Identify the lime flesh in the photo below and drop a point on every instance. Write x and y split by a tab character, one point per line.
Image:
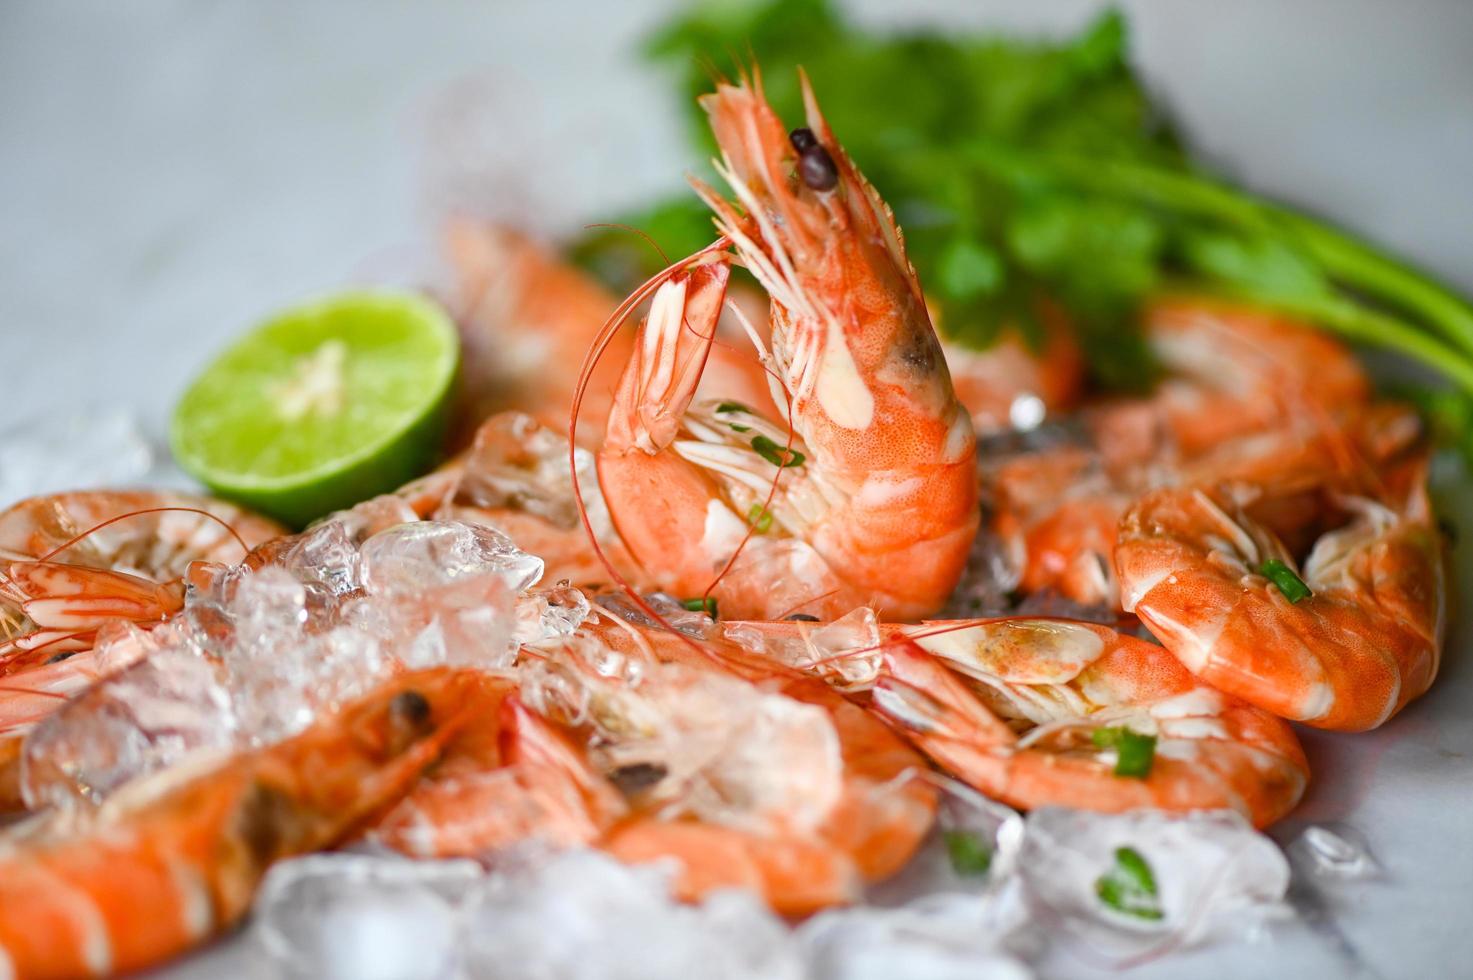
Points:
322	406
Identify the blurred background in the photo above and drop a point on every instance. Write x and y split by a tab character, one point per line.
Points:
172	171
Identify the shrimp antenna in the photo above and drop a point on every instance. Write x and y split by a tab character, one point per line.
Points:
245	549
649	239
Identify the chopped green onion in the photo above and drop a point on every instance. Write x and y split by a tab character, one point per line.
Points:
1283	576
776	455
970	854
1134	753
739	428
1130	886
733	407
706	605
760	518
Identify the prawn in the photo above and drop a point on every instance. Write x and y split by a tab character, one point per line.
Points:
1012	385
527	317
70	562
1343	643
509	776
1036	713
152	874
869	494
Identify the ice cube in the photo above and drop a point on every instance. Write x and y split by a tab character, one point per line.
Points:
973	847
365	519
268	609
584	916
549	613
365	918
72	451
946	939
519	464
1146	880
466	624
1339	853
277	691
145	718
325	558
415	558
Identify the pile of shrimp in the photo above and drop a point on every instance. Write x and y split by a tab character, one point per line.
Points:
813	552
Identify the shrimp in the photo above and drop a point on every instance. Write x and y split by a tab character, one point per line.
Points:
1030	712
70	562
1234	369
1343	644
749	775
527	318
510	776
1011	385
871	496
151	875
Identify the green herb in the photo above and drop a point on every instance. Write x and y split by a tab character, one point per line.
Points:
760	518
970	854
1023	169
733	407
1130	886
778	456
739	428
1283	576
1134	753
706	605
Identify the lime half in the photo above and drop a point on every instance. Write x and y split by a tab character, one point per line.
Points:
322	406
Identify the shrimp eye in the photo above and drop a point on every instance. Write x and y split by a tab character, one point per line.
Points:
637	776
815	165
412	707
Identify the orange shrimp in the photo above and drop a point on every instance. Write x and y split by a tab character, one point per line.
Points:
965	691
805	831
871	497
70	562
1010	385
143	880
509	777
526	319
1366	640
1234	369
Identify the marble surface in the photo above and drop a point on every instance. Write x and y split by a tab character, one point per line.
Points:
174	170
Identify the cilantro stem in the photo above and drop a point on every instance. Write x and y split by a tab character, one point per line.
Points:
1344	259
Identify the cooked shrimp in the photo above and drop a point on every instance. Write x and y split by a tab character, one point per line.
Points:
1234	369
70	562
1012	385
526	319
1027	711
1344	644
805	826
509	777
146	879
875	497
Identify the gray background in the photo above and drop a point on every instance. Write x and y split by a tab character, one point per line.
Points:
172	171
